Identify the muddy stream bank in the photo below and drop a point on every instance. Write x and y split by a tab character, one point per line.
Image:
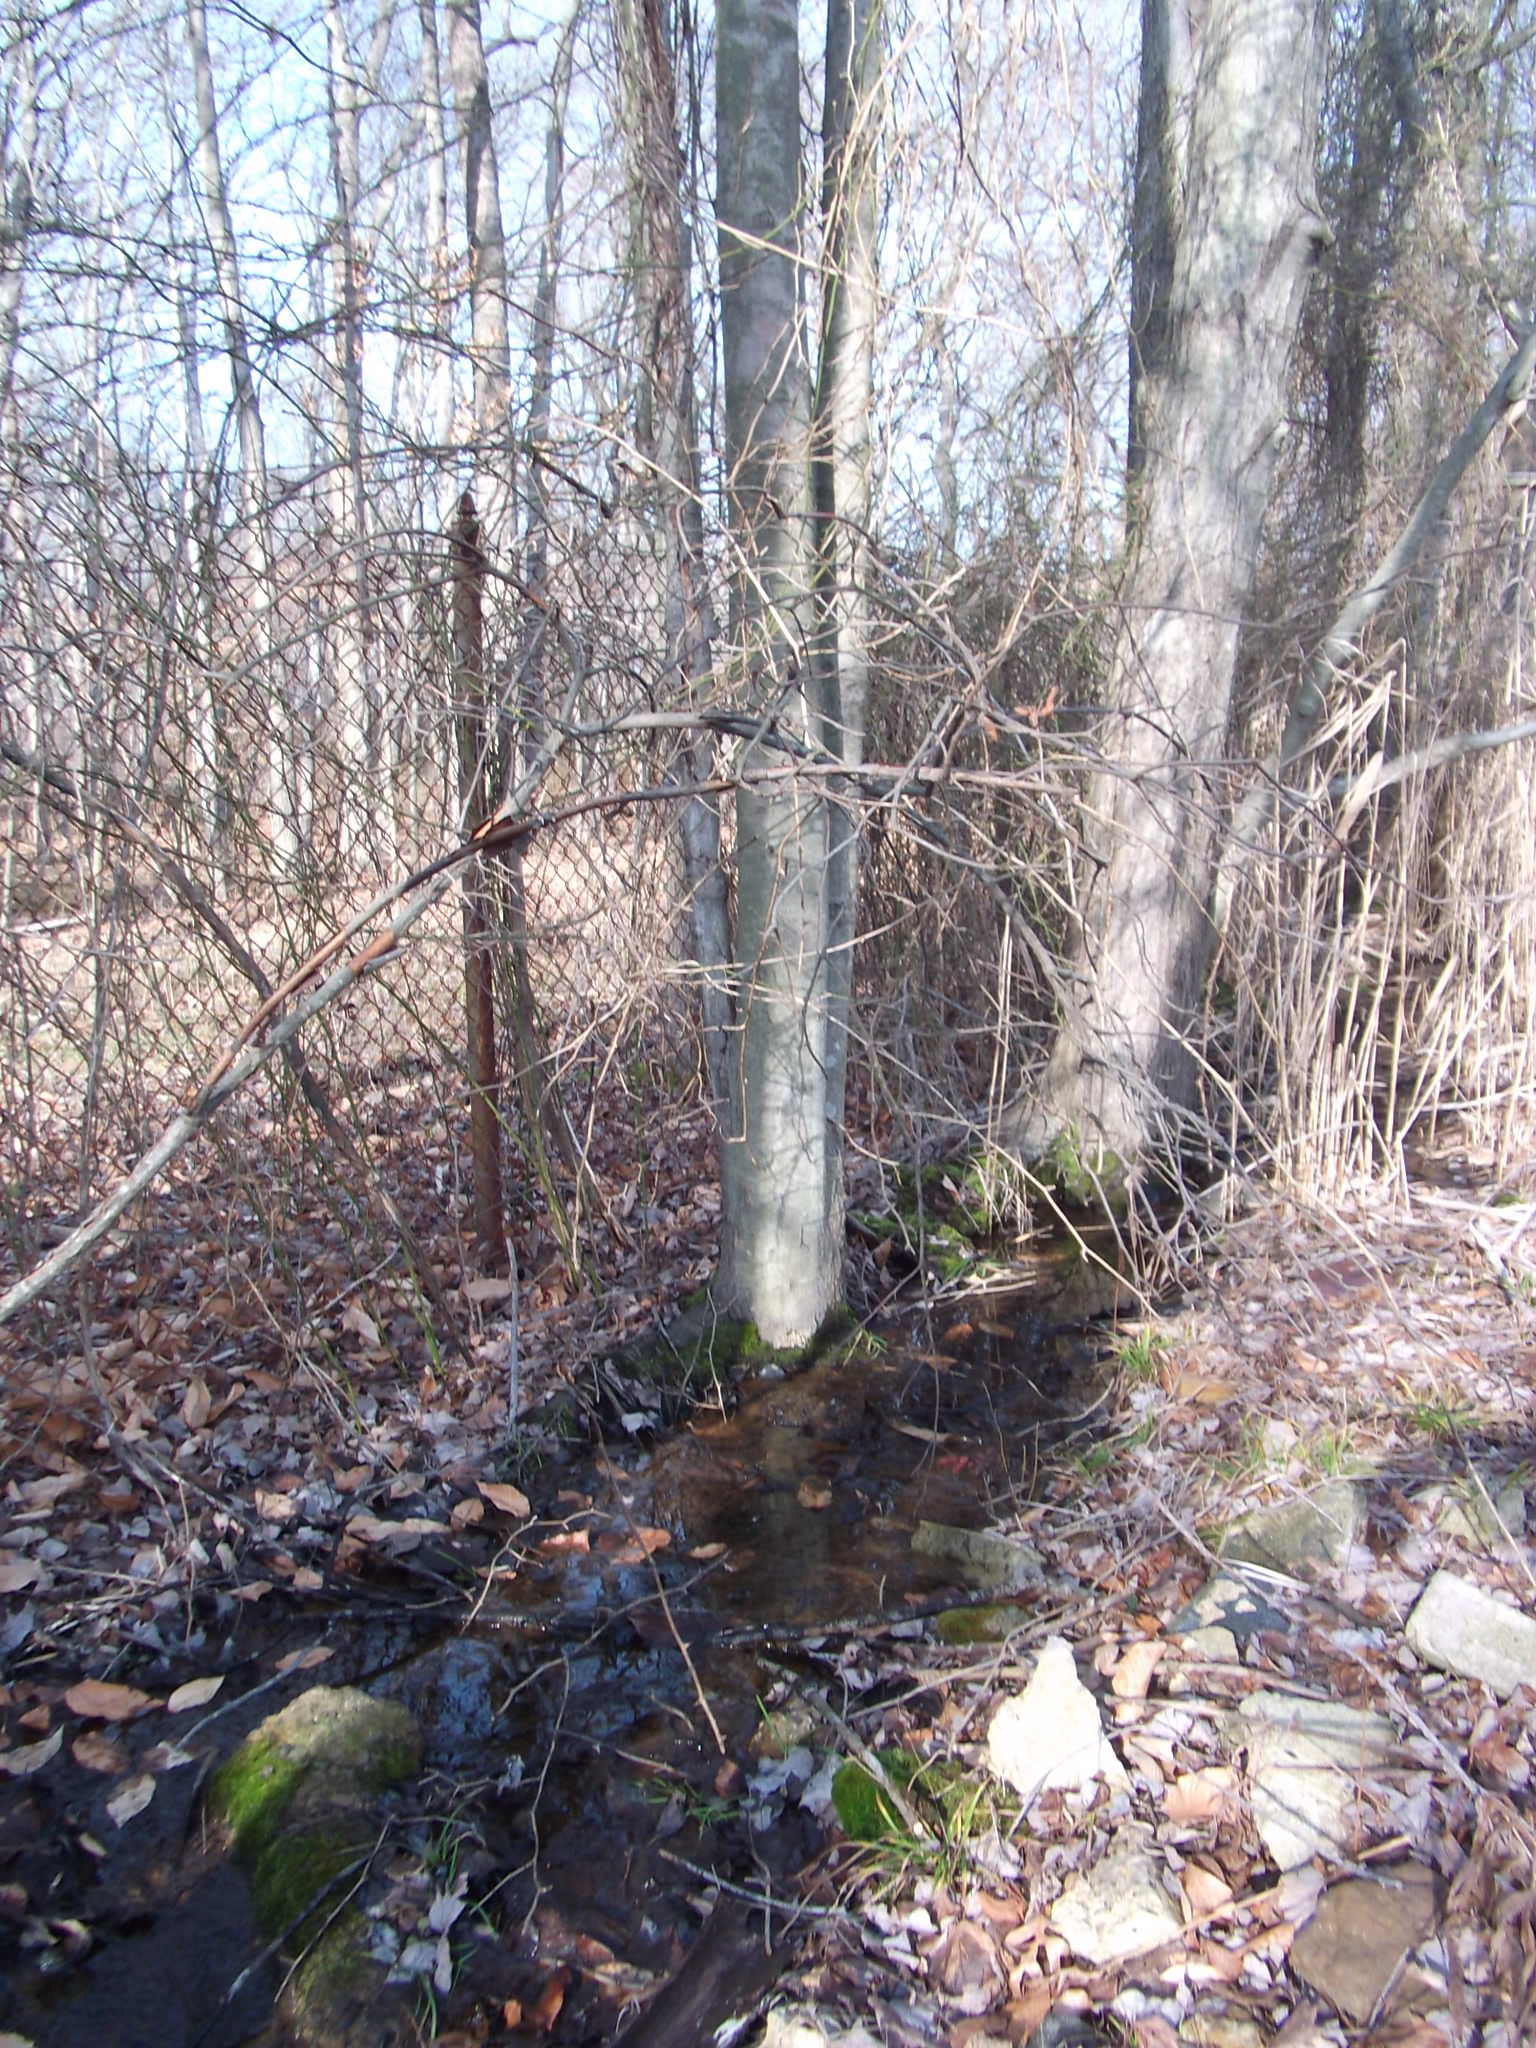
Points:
605	1692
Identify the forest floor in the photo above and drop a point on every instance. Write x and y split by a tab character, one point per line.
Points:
1287	1807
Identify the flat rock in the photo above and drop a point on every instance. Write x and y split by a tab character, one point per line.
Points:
985	1556
1460	1628
1463	1515
1354	1945
1224	1614
1306	1759
1297	1536
1119	1906
1050	1736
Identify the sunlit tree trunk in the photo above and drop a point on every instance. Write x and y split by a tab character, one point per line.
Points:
781	1249
1226	234
842	479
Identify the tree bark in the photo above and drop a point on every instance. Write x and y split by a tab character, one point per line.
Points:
842	485
781	1236
1227	234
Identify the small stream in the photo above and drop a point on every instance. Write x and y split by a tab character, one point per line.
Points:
573	1774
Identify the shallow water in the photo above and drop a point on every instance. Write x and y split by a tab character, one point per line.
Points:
569	1739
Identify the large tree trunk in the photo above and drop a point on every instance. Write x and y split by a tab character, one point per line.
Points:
842	484
1226	235
781	1239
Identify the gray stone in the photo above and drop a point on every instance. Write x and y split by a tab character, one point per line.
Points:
1305	1764
1465	1516
1049	1737
1224	1613
985	1556
1297	1536
1460	1628
1120	1906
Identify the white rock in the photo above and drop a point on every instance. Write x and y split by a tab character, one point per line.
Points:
1459	1627
1120	1905
1049	1737
1305	1764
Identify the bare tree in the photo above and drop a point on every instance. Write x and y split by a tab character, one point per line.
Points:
1227	233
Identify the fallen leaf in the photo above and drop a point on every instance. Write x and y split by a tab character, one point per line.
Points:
360	1324
1133	1673
46	1493
118	1500
1203	1890
94	1751
566	1541
464	1514
196	1403
197	1692
1200	1796
16	1575
132	1799
705	1553
352	1478
306	1660
275	1507
814	1494
21	1763
545	2009
374	1529
307	1580
254	1589
511	2013
490	1288
510	1500
96	1699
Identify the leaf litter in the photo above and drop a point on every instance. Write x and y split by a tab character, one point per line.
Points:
211	1461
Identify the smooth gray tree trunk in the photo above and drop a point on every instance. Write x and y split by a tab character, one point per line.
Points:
1226	234
781	1248
842	484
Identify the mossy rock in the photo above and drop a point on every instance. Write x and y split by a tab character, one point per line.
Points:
298	1797
958	1627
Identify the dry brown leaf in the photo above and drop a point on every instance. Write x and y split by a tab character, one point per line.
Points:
131	1799
491	1287
306	1660
464	1514
815	1494
94	1751
307	1580
197	1692
21	1763
1203	1890
358	1321
508	1500
46	1493
1133	1673
97	1699
705	1553
273	1506
1201	1796
196	1403
565	1541
19	1573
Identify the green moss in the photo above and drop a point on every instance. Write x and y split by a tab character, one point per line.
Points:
946	1799
864	1809
291	1872
1083	1179
251	1791
993	1623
